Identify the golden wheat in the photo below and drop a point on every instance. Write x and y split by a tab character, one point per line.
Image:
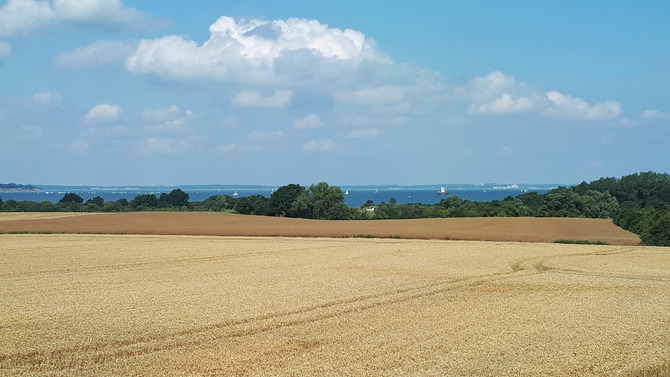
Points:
98	305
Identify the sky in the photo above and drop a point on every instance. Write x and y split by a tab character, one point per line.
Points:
111	92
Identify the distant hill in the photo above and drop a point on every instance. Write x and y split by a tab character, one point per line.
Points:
13	187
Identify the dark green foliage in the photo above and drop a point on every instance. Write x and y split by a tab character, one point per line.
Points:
581	242
658	233
216	203
253	205
144	202
97	201
71	198
282	200
321	201
175	199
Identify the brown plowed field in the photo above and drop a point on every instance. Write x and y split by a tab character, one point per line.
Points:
221	224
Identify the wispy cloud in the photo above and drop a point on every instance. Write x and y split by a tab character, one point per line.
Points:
310	121
103	113
97	54
322	145
655	115
25	16
252	98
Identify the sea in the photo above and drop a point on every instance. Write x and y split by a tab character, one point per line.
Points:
354	196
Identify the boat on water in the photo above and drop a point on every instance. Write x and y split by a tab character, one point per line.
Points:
443	191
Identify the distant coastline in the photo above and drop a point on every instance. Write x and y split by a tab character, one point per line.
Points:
13	187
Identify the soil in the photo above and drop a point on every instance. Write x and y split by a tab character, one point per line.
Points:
508	229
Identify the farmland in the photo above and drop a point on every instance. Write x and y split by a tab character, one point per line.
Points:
181	305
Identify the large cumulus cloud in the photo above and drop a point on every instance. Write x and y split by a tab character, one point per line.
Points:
255	51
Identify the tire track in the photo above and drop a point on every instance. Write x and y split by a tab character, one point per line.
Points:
126	266
68	358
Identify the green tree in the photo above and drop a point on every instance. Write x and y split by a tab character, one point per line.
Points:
176	198
97	202
283	198
658	233
217	203
453	201
253	205
320	201
71	198
145	201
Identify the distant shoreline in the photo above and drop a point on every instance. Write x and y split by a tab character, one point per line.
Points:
13	187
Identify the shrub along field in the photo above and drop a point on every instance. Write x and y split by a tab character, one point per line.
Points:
128	305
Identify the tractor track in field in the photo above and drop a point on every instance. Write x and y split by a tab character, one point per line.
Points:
69	357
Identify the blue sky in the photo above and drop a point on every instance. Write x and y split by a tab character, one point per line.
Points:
106	92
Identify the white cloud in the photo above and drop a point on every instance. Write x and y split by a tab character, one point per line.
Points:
265	136
497	94
491	86
5	50
567	107
24	16
365	133
79	147
32	131
253	51
308	122
252	98
48	98
103	113
98	11
170	119
322	145
377	96
96	54
159	145
655	115
233	148
161	115
505	104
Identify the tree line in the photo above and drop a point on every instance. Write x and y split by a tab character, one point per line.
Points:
638	202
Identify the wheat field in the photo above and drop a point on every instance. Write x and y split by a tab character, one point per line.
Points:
131	305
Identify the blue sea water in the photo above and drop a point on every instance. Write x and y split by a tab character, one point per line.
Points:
354	197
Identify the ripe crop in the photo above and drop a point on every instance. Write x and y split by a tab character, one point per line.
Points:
127	305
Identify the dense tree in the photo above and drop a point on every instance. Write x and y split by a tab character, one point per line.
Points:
145	201
216	203
253	205
97	202
658	232
320	201
176	198
71	198
283	198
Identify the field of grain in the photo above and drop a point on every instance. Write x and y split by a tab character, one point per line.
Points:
525	229
157	305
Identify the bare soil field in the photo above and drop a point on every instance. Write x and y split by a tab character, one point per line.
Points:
222	224
159	305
